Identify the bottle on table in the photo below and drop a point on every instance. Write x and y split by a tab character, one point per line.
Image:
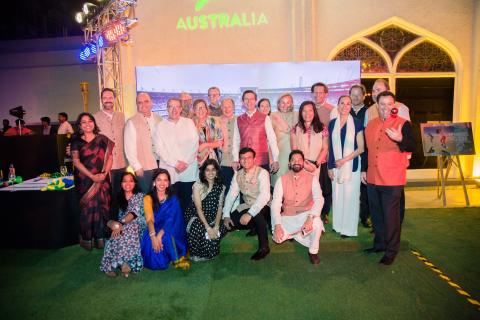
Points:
11	173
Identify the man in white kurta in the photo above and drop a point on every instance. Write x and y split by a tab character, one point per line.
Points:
296	207
138	141
176	144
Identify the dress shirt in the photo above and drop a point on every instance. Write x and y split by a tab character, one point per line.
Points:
65	128
177	141
262	199
271	138
130	142
357	110
46	131
276	206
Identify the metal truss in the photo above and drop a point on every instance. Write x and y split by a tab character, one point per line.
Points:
109	66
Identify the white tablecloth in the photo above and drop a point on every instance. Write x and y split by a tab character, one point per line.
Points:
30	185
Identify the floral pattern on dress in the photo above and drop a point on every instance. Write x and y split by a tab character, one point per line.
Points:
126	247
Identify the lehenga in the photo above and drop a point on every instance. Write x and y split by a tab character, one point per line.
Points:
126	247
169	217
200	247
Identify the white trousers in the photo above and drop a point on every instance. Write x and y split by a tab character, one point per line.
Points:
346	205
292	226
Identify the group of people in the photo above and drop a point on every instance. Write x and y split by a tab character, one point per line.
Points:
20	129
203	171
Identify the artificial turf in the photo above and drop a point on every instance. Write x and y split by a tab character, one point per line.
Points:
348	284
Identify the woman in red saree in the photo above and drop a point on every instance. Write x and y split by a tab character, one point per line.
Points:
92	158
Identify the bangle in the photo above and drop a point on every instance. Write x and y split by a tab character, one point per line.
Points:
151	234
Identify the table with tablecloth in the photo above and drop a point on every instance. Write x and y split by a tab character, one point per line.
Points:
35	219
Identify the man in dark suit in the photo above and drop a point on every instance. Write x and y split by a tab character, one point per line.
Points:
357	94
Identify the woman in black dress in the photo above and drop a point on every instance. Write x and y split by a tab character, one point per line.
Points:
203	216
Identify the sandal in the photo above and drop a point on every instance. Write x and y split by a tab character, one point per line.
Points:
126	269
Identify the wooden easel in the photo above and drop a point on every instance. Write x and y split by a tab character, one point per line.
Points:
447	162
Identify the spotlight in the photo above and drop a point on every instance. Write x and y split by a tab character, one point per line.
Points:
88	8
88	52
79	17
100	42
131	22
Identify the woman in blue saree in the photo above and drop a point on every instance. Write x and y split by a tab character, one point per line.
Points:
165	240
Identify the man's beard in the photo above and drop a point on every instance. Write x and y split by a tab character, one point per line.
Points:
296	168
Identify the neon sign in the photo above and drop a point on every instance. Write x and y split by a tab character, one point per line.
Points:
223	20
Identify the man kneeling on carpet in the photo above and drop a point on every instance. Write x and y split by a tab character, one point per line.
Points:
253	183
296	207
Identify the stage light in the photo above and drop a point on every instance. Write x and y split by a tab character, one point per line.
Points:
131	22
115	31
100	42
88	8
88	52
79	17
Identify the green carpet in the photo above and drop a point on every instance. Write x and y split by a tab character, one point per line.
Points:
67	284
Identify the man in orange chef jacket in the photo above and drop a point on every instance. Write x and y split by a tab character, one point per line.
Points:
384	169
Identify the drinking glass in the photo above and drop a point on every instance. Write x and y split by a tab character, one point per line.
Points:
63	170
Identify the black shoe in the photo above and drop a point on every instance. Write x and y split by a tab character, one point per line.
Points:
251	233
373	250
344	236
386	261
367	223
261	253
314	259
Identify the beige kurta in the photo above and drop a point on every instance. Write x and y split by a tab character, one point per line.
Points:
283	123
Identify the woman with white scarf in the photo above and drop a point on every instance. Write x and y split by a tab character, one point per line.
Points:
346	144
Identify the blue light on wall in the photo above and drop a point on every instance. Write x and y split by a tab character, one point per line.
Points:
88	52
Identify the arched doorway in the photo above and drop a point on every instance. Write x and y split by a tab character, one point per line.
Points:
419	69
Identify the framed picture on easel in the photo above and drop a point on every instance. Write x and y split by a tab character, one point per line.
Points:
447	141
441	139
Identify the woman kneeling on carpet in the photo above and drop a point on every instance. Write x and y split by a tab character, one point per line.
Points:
123	249
204	214
165	240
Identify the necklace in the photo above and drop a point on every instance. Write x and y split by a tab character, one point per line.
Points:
162	199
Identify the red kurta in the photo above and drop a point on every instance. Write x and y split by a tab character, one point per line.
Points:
386	163
253	135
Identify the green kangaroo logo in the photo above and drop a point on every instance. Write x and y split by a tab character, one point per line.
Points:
200	4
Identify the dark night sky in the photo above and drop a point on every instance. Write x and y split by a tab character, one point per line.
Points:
28	19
